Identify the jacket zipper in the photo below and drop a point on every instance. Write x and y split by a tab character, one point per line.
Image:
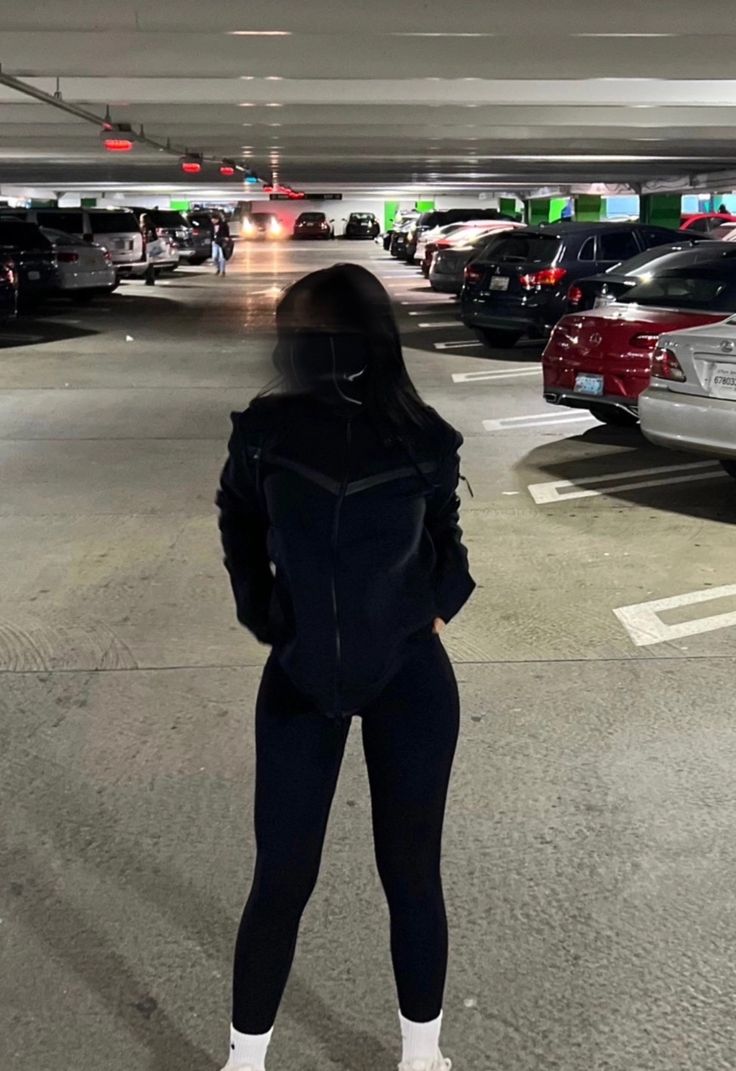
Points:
335	532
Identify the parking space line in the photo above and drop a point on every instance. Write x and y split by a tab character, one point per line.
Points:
536	420
645	627
455	345
513	373
448	323
545	494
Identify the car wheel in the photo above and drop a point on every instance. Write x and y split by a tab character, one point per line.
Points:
620	418
497	339
729	467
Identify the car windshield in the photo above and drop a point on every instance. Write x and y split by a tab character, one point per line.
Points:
113	222
22	235
706	289
528	248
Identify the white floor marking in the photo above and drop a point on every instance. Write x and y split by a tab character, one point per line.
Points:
512	373
448	323
454	345
555	491
425	311
645	627
537	420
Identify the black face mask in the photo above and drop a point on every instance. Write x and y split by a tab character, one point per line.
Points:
330	364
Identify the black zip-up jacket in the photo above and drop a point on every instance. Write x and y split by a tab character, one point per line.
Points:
363	538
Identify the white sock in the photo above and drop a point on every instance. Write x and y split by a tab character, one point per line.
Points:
248	1050
420	1041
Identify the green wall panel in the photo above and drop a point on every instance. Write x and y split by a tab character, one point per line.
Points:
588	207
390	208
424	206
663	209
538	210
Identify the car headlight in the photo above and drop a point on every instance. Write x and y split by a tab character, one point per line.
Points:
248	227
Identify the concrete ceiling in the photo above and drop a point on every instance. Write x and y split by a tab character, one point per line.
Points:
379	95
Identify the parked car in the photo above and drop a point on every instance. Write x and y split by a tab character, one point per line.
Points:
116	229
83	269
439	237
399	239
362	225
725	232
263	225
451	256
602	289
601	360
174	227
203	230
438	218
8	289
705	221
33	256
690	403
313	225
518	285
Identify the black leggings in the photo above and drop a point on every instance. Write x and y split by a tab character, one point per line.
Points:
409	737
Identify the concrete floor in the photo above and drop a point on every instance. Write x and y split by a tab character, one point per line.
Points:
589	860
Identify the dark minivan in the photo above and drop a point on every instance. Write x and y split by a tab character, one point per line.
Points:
32	256
517	285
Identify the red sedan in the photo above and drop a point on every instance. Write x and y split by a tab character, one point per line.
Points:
601	360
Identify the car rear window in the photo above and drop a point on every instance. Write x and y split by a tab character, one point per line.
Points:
686	290
113	222
311	217
22	235
529	248
362	216
70	222
160	218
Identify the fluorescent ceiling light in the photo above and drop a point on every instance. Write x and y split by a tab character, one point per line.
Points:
274	78
273	105
247	77
419	33
626	35
248	105
258	33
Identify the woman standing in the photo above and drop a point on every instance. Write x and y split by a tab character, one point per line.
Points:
346	482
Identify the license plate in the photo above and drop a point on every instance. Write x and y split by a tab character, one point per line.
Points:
34	274
585	384
500	282
723	381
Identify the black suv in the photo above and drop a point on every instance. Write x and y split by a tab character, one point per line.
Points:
33	257
362	225
517	284
439	218
174	226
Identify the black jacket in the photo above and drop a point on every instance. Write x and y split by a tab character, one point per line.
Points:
363	537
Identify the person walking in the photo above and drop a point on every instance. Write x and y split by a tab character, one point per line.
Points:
338	513
149	238
220	239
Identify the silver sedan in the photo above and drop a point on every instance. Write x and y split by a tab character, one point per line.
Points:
691	403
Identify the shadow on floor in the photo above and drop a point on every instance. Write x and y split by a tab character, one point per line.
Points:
704	491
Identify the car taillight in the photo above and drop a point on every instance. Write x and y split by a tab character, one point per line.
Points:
7	274
473	273
666	366
67	257
644	340
574	296
545	277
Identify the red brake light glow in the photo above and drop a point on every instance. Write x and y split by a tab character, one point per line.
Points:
65	256
225	169
666	366
574	295
191	167
545	277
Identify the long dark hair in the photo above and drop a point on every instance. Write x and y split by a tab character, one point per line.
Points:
354	300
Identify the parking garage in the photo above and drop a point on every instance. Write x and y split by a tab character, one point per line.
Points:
586	857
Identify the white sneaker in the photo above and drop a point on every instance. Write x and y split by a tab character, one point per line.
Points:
440	1063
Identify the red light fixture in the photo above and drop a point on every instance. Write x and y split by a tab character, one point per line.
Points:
226	170
191	165
118	144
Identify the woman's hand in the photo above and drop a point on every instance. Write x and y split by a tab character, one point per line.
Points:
438	625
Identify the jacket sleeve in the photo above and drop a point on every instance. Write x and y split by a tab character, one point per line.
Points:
243	527
453	582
